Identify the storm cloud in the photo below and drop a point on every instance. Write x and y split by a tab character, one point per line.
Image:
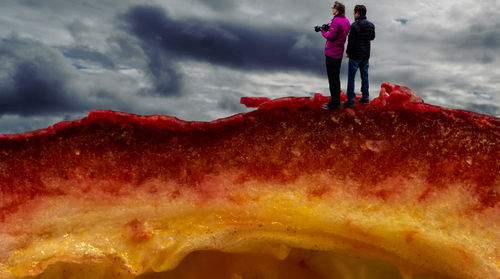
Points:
34	79
85	53
167	41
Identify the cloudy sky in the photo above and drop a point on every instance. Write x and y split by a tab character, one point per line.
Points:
194	59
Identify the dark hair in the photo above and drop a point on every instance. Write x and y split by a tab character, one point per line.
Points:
340	7
360	9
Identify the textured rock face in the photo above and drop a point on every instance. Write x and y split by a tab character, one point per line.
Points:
411	183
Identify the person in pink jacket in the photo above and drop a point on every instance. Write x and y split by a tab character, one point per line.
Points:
335	37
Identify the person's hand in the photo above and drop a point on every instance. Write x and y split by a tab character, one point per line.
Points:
347	55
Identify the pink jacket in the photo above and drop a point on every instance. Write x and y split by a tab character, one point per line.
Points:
336	36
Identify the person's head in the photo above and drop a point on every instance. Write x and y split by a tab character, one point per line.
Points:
359	10
338	8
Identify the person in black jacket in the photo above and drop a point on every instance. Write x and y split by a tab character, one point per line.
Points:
361	33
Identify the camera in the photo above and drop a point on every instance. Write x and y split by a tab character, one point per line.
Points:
325	27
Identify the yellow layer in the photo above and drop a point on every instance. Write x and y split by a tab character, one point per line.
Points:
150	232
300	264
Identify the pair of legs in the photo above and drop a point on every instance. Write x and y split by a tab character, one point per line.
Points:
333	72
363	69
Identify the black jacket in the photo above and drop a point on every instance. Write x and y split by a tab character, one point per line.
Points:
361	33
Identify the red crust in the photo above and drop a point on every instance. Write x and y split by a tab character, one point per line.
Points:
396	135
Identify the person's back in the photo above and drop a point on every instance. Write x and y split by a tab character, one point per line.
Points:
363	33
358	50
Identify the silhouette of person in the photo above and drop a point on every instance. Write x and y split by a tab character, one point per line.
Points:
334	50
358	51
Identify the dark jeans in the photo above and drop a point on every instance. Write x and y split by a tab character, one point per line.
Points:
363	69
333	71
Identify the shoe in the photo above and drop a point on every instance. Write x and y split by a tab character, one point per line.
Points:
330	106
349	104
364	101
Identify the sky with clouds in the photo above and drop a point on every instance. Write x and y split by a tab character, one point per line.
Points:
194	59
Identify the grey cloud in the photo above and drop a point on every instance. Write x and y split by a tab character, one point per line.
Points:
31	3
10	123
490	109
35	79
443	58
478	43
492	39
485	58
403	21
77	6
219	5
230	103
159	67
166	78
486	35
462	96
127	49
414	76
236	46
77	29
38	80
90	55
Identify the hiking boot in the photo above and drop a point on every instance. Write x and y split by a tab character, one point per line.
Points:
330	106
364	101
349	104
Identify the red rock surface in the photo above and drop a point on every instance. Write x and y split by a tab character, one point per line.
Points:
397	135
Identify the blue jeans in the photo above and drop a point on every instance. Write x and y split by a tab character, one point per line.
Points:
353	68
